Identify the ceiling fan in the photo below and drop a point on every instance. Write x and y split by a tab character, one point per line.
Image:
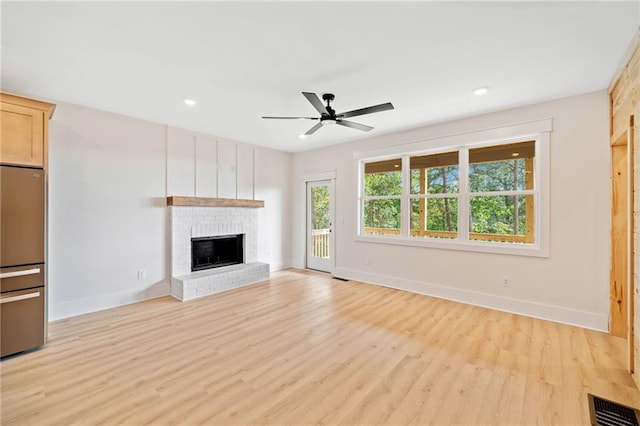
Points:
328	115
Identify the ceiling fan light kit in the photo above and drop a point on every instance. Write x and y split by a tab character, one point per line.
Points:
328	115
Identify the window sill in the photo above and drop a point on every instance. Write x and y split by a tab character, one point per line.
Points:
515	249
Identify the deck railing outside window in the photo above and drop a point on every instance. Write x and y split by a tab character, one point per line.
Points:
450	234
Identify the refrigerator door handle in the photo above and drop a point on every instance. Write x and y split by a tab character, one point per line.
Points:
20	297
20	273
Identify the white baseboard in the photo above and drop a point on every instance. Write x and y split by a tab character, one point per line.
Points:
113	300
278	266
553	313
106	301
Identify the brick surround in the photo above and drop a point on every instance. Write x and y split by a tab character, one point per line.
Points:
193	222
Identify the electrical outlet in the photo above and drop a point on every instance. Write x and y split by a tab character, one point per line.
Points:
368	261
506	281
142	273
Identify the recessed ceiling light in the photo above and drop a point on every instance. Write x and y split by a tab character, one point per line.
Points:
302	136
190	102
479	91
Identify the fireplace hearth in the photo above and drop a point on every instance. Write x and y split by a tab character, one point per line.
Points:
216	251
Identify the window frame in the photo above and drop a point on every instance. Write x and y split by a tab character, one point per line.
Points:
537	131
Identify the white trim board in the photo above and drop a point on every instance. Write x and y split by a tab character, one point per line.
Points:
106	301
278	265
475	138
553	313
325	175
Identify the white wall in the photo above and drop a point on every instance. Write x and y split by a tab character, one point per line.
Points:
108	179
570	286
109	175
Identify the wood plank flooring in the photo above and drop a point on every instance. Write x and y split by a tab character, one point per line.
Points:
302	348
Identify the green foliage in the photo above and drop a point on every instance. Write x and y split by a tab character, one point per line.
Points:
442	214
389	183
382	213
495	215
505	175
320	207
440	180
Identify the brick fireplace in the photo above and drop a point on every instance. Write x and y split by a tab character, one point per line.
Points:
212	220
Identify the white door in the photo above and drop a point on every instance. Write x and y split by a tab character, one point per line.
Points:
319	225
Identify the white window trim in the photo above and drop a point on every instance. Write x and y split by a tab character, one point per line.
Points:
535	130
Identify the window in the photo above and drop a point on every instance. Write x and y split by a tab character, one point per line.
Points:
501	193
434	195
382	194
488	196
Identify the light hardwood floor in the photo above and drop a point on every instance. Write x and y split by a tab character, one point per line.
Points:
302	348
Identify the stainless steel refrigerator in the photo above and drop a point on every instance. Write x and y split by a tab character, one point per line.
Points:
22	259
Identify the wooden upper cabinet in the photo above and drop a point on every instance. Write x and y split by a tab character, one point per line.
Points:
24	127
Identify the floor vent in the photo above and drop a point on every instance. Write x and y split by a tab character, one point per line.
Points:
341	279
607	413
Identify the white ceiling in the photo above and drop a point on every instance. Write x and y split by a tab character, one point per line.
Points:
243	60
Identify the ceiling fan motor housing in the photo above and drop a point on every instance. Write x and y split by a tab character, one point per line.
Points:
328	97
327	119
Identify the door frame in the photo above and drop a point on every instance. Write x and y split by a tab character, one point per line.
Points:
621	291
329	176
618	280
631	243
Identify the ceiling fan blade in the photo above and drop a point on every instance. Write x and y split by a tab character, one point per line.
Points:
367	110
316	102
293	118
313	129
347	123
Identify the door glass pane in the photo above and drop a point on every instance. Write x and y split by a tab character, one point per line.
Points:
320	225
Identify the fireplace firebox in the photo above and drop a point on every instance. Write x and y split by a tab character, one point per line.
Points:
215	252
